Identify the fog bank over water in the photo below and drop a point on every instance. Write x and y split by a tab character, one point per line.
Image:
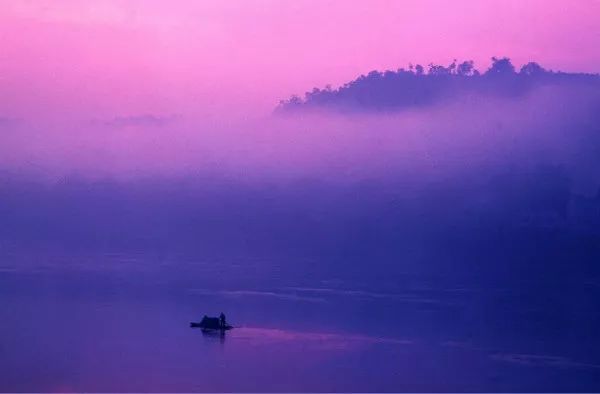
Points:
434	188
470	134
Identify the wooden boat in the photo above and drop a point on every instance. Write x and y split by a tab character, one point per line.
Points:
200	325
211	323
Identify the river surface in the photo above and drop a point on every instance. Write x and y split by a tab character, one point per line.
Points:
120	322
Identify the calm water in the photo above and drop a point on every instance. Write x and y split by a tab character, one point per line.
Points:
81	322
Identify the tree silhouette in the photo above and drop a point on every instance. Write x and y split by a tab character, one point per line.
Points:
501	66
532	68
413	87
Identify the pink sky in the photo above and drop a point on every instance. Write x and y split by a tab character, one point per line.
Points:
100	59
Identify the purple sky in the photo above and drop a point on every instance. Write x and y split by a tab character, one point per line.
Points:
143	87
101	59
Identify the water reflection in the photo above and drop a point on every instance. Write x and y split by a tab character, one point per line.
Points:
214	335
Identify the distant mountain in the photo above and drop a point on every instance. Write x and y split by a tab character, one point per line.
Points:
417	87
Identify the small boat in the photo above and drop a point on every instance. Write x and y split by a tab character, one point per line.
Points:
211	323
202	326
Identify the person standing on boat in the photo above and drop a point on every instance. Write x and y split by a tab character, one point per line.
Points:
222	321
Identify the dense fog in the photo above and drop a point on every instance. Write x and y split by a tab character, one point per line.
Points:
473	182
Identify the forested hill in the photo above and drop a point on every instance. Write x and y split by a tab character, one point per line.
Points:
420	87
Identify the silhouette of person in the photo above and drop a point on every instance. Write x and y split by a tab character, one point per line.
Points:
222	320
